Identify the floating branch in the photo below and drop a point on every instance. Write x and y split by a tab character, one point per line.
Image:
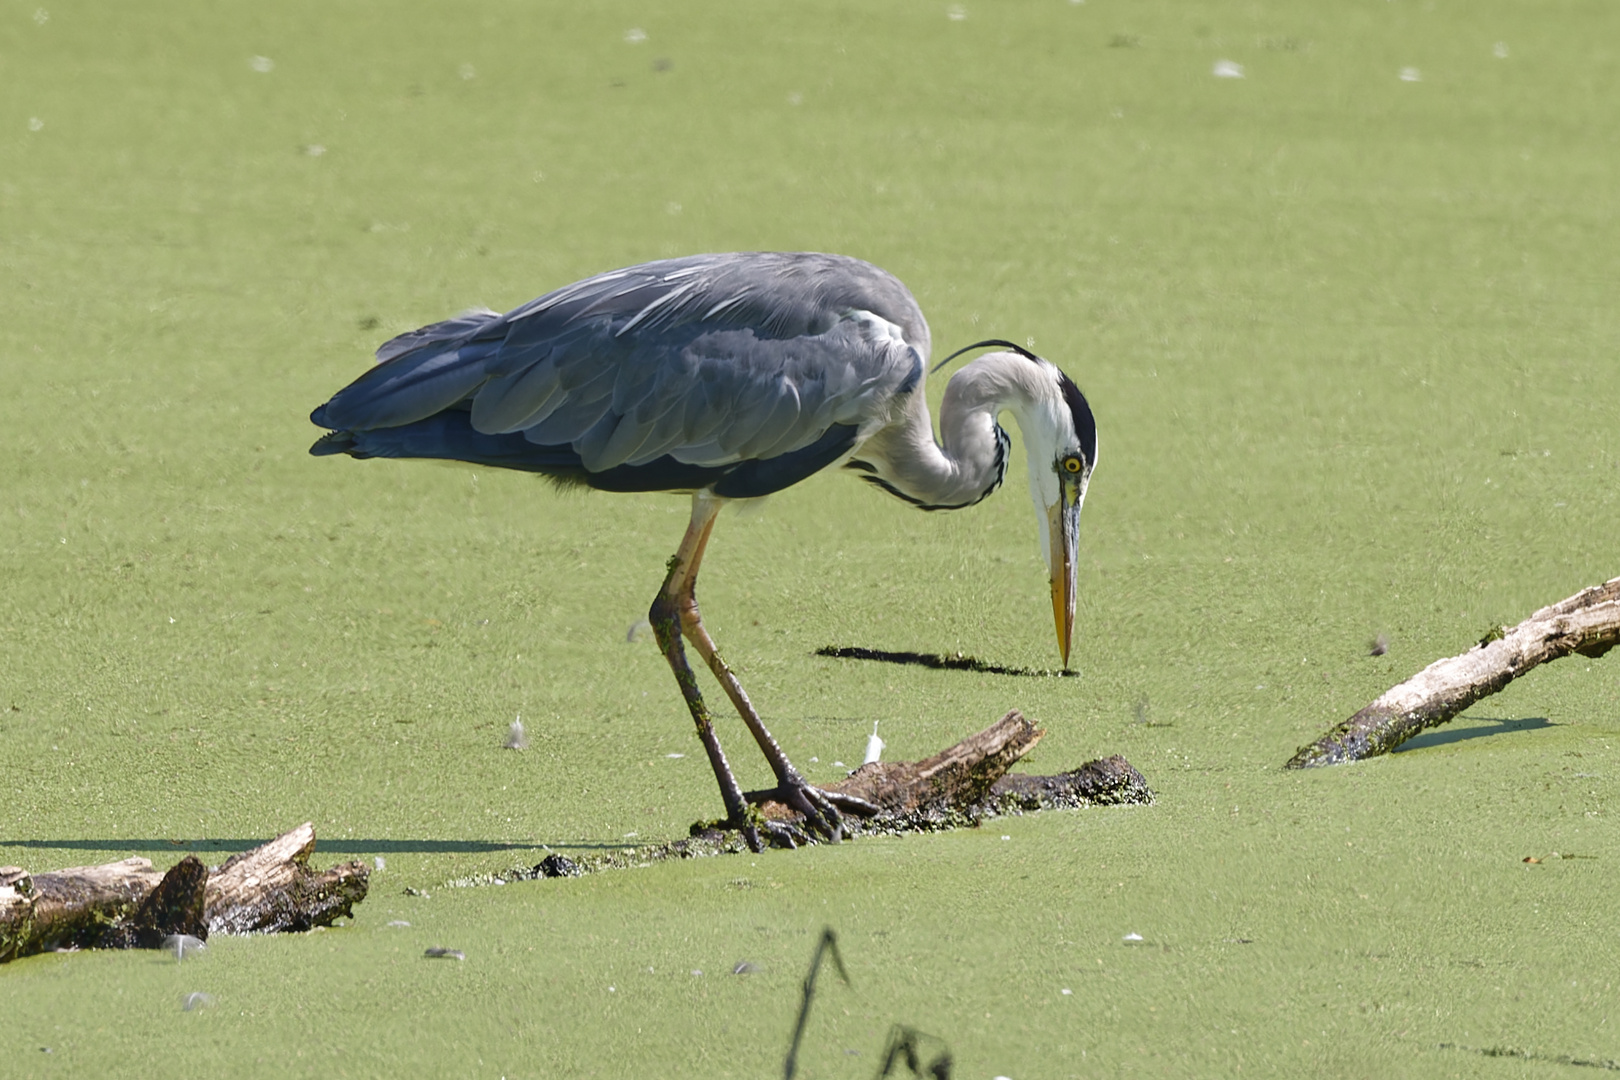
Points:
128	904
1587	623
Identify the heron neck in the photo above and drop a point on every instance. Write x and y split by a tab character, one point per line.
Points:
969	460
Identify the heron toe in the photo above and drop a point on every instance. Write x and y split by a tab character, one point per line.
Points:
817	810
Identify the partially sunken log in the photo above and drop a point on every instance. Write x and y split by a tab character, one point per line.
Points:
968	781
128	904
956	788
1587	623
1112	781
174	907
70	907
272	890
953	779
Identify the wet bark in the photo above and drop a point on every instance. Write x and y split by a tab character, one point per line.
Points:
955	778
1110	781
271	889
1587	623
970	780
128	904
175	906
957	788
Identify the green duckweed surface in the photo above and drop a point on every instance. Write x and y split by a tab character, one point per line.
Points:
1348	323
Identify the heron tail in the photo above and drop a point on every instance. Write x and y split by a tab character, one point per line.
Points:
450	436
456	329
333	442
417	374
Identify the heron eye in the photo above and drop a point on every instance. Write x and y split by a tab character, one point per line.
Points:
1071	464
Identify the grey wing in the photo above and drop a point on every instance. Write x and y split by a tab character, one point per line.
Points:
709	359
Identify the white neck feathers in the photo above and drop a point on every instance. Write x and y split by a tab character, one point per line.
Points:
970	458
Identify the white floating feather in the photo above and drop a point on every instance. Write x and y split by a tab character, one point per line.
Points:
874	746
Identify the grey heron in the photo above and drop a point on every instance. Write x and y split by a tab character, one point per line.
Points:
728	377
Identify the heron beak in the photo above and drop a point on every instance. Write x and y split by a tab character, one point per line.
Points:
1063	519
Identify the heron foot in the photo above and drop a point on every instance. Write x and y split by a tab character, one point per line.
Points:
750	824
818	810
852	804
786	834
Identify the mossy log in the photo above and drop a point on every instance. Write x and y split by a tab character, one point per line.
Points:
128	904
1109	781
1587	623
970	780
957	777
957	788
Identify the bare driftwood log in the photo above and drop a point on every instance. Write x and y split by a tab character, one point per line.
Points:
1587	623
128	904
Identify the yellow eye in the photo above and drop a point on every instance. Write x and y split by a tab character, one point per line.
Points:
1071	464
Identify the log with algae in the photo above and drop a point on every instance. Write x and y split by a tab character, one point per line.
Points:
128	904
958	787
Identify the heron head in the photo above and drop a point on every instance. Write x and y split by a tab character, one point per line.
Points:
1062	453
1060	435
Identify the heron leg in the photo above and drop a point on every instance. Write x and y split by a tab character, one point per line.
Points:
666	620
820	808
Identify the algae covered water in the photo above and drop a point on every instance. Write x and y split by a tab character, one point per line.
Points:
1338	282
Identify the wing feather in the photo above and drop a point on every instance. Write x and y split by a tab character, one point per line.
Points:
513	402
708	361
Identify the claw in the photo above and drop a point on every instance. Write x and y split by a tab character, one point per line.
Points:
819	815
853	804
785	835
826	817
781	834
817	808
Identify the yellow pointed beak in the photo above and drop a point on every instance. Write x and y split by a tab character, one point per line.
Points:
1063	519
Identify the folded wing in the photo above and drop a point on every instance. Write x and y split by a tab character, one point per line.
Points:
704	362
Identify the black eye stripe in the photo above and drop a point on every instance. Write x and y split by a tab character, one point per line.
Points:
1085	426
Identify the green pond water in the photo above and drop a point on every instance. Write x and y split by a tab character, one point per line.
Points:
1349	327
